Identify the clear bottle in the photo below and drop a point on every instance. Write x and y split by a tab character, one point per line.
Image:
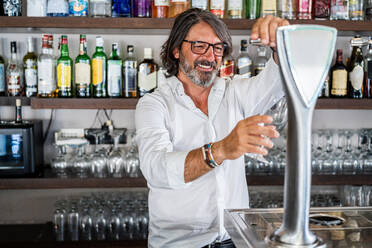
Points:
83	70
268	7
200	4
46	64
121	8
147	73
243	61
177	7
12	7
356	73
260	60
338	78
14	73
339	10
368	70
78	7
99	65
142	8
2	76
321	9
227	67
253	9
130	74
217	7
287	9
30	69
235	9
64	70
160	8
368	16
36	7
356	10
304	9
57	8
114	73
100	8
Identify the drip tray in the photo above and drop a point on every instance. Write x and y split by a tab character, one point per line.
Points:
337	227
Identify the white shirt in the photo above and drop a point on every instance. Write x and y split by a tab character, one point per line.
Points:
168	127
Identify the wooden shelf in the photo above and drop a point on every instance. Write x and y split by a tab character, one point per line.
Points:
336	103
152	23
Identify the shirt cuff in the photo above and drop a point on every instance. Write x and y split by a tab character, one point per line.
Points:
176	168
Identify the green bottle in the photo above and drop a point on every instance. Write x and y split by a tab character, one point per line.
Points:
114	73
83	70
64	71
99	64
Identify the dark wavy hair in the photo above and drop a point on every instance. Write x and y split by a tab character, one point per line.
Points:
181	27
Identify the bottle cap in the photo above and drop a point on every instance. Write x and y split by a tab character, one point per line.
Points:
99	41
64	39
18	102
130	48
147	53
115	46
13	47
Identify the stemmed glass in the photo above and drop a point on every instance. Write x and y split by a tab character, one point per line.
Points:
59	163
116	162
82	163
99	158
132	159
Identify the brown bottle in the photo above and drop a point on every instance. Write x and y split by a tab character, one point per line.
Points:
338	78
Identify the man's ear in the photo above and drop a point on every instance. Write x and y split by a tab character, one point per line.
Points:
176	53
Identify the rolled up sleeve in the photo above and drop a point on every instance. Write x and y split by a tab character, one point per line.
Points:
160	164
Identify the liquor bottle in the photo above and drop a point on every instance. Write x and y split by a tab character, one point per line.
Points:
200	4
78	7
130	74
260	60
227	67
46	64
287	9
321	9
268	7
82	70
217	7
324	93
100	8
356	73
18	111
114	74
2	76
177	7
64	70
1	10
142	8
368	92
36	8
99	64
57	8
30	69
121	8
356	10
339	10
338	77
304	9
369	10
147	73
12	7
235	9
253	9
243	61
14	73
160	9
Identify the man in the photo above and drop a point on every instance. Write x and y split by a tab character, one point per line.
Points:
193	131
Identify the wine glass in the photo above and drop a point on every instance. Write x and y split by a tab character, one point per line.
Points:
99	168
81	163
116	162
132	159
59	163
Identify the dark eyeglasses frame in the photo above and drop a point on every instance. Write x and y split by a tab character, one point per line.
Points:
209	45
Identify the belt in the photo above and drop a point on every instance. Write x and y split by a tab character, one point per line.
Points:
224	244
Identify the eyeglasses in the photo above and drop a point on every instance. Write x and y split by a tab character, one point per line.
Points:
201	47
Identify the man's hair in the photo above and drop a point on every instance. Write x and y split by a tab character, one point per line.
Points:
181	28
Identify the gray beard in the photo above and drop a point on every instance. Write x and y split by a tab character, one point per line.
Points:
203	79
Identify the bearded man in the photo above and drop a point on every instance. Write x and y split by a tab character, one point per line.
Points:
193	131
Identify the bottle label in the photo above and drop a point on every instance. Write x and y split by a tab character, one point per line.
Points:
31	77
369	70
217	6
130	79
161	3
235	5
201	4
2	78
339	83
178	1
78	7
82	74
46	79
304	6
339	9
147	82
268	7
258	69
114	77
63	76
98	68
227	71
356	77
14	82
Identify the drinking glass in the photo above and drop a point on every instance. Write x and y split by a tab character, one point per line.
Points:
73	224
116	162
86	224
59	163
100	224
82	163
59	219
132	160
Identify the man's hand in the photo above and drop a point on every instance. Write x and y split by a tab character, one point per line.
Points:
247	137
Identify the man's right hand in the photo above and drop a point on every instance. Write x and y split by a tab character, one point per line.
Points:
248	136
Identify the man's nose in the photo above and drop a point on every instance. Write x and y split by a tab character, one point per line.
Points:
210	54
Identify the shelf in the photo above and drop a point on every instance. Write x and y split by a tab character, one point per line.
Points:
10	101
316	180
152	23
